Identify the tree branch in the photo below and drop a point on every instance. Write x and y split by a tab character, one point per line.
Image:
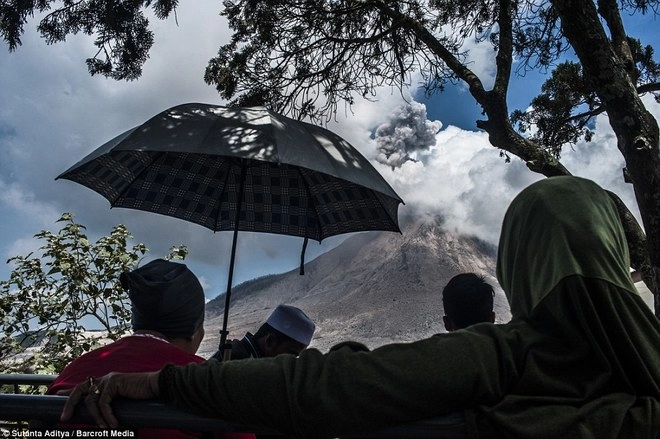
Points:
504	56
609	10
453	63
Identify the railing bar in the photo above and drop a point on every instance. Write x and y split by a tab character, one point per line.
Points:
140	414
26	378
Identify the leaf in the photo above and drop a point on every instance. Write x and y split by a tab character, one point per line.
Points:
54	270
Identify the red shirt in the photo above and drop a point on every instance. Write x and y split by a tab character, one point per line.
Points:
135	353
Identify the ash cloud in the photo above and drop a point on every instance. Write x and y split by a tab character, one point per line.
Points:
406	133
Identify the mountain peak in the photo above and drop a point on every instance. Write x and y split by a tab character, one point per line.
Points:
375	287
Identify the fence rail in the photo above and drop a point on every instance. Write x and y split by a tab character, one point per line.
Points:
44	411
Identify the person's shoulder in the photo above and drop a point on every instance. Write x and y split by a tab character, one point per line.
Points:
84	365
93	355
161	350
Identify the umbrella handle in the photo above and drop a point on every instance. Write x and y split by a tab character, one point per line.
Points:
224	348
226	352
302	256
223	340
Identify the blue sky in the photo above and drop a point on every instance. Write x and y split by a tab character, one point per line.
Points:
54	113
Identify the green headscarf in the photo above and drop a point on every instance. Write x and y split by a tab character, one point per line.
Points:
585	238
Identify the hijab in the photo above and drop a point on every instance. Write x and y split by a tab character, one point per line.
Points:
555	228
589	361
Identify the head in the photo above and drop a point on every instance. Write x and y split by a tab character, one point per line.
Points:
556	228
287	330
467	299
167	299
353	346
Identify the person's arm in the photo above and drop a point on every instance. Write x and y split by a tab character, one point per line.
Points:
318	395
99	395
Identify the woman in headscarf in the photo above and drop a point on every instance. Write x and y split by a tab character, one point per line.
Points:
578	359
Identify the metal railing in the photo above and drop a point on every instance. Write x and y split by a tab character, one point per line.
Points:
21	411
15	381
25	379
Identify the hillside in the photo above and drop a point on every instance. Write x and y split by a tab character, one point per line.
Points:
375	287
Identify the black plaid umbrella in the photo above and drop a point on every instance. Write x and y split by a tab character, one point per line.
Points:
241	169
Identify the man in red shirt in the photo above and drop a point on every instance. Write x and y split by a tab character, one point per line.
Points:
167	305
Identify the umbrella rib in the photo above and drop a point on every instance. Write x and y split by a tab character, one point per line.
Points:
314	205
216	226
395	221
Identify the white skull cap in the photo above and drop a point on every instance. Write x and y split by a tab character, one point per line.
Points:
293	323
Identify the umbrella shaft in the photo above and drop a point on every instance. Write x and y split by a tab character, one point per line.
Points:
230	276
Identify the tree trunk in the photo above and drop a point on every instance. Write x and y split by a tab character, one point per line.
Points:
636	129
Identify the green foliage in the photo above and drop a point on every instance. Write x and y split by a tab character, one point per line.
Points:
122	31
306	57
555	118
648	71
565	109
52	298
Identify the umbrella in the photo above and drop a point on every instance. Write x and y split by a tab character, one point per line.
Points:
241	168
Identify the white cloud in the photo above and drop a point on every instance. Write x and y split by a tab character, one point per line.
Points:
13	196
204	282
481	60
463	180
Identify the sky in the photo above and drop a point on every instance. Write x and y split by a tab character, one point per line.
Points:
428	149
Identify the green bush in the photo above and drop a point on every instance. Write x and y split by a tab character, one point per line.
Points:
51	299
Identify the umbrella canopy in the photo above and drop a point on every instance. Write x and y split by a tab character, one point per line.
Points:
250	169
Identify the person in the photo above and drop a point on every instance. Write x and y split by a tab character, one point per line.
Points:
578	359
167	318
467	299
287	330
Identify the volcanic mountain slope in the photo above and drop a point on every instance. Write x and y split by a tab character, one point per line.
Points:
375	287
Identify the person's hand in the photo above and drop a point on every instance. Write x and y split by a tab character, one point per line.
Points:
98	393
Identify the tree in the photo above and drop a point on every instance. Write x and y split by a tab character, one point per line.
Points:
51	299
306	57
123	38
